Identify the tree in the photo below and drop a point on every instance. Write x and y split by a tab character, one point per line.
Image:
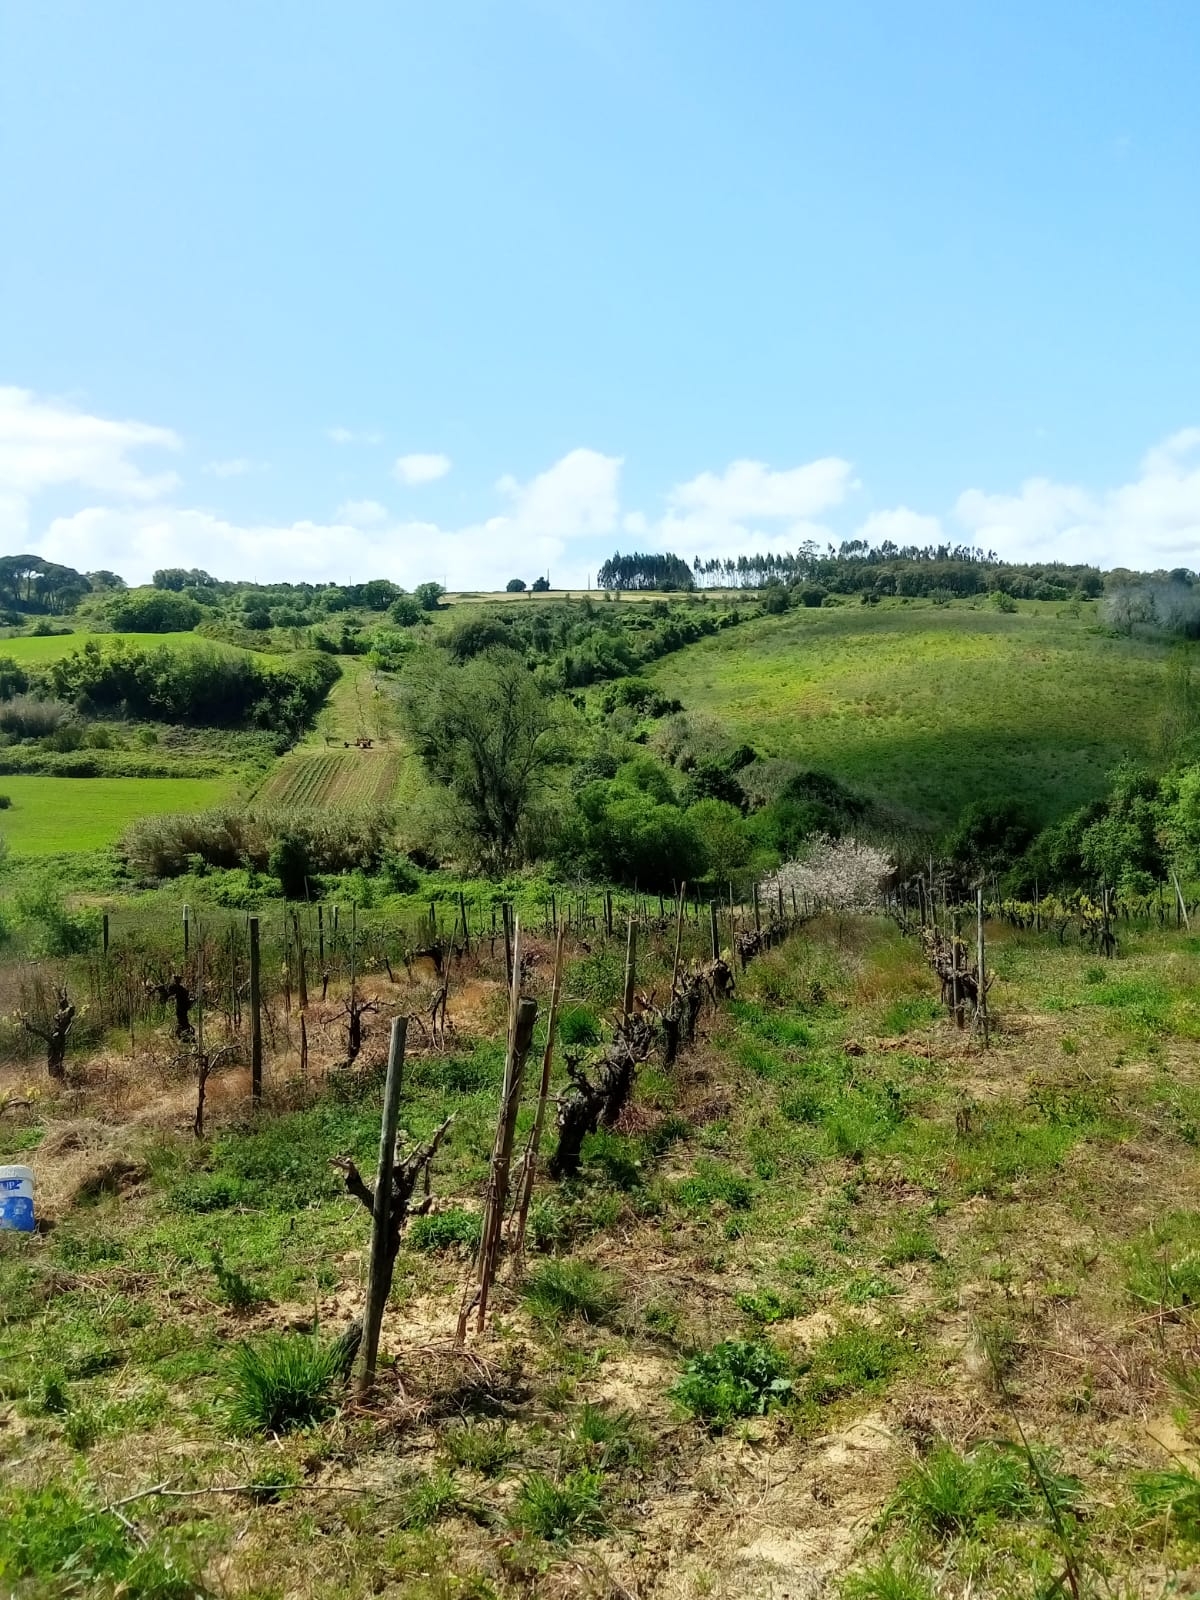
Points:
990	835
153	611
515	586
483	730
541	585
428	596
406	611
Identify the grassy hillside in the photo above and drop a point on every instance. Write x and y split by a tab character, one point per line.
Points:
930	707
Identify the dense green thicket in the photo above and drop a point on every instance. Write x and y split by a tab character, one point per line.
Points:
207	686
231	836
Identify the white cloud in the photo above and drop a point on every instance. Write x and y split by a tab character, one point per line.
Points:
420	468
576	498
361	513
902	527
237	468
349	436
749	489
1153	521
44	443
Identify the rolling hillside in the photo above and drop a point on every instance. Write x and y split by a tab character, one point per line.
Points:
930	707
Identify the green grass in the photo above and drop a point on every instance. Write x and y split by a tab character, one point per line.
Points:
283	1382
50	816
54	1542
32	651
930	707
565	1291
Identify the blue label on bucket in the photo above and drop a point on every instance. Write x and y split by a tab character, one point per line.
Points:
16	1211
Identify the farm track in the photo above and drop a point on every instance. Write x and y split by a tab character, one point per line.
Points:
333	778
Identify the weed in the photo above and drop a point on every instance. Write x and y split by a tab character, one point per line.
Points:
562	1510
578	1025
616	1157
82	1426
911	1241
53	1542
1165	1268
604	1439
1173	1496
238	1293
271	1482
914	1011
281	1383
737	1378
482	1447
864	1287
429	1500
560	1291
208	1192
713	1183
855	1360
895	1577
49	1395
949	1493
452	1229
768	1305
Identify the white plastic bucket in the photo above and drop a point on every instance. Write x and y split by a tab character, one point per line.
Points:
16	1199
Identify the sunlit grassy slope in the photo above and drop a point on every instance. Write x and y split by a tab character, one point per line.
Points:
930	707
33	651
50	815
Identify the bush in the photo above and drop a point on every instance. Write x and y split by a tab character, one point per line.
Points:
333	841
153	611
515	586
281	1383
289	861
949	1493
738	1378
407	612
561	1291
24	717
5	802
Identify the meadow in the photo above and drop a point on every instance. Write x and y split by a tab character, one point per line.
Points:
53	815
929	707
32	650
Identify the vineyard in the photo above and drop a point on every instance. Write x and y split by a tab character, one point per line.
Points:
333	778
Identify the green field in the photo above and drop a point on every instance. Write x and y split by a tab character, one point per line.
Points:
929	707
32	651
49	815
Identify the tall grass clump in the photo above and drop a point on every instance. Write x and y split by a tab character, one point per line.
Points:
331	839
283	1382
951	1494
565	1291
563	1509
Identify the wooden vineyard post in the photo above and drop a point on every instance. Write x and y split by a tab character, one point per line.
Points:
187	929
630	962
506	912
608	917
529	1166
321	935
757	912
795	907
981	976
779	896
713	931
379	1270
1179	904
522	1014
104	933
255	1017
301	973
678	934
462	906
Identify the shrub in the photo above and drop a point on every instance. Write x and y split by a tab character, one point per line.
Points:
5	802
738	1378
153	611
289	862
334	841
561	1291
27	718
281	1383
445	1230
571	1507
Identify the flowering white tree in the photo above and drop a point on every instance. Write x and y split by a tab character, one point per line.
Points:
837	874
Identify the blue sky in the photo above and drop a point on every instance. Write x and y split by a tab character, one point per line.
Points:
596	274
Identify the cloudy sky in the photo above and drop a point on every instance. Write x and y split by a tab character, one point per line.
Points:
495	287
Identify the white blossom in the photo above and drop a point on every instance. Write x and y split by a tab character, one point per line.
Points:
835	874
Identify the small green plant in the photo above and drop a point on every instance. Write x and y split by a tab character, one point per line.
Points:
855	1360
453	1229
1174	1498
54	1542
272	1481
604	1439
561	1510
578	1025
82	1426
482	1447
737	1378
911	1241
563	1291
208	1192
895	1577
864	1287
49	1394
616	1157
949	1493
550	1224
768	1305
238	1293
713	1183
281	1383
429	1500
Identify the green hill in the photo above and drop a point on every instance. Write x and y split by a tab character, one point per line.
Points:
928	707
